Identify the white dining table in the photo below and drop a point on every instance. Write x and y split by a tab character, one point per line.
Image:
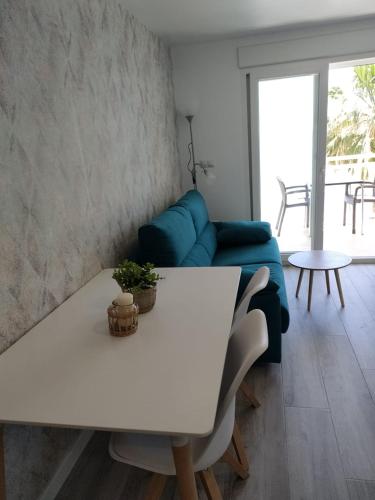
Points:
165	379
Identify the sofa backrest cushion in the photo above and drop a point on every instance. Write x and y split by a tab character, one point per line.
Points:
168	238
194	202
243	232
204	249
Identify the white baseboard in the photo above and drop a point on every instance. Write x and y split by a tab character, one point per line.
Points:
66	466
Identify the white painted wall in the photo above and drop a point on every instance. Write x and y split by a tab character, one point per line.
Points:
208	81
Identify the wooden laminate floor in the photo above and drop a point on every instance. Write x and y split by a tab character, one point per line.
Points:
314	435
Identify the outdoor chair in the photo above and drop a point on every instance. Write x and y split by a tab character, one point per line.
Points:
293	196
356	197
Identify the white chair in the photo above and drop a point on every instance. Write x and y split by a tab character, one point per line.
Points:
258	282
290	200
154	453
353	198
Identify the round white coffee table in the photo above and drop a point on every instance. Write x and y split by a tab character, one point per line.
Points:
319	260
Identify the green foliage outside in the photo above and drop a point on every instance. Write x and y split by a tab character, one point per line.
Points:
352	131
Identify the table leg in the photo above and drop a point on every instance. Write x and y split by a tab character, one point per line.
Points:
339	287
299	281
327	282
187	486
311	279
2	464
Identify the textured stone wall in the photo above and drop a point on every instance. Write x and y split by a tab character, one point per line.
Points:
87	154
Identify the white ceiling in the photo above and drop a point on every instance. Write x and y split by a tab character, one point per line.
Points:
194	20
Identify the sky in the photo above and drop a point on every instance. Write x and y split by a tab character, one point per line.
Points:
343	78
286	108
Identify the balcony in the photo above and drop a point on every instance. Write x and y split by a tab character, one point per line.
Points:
339	169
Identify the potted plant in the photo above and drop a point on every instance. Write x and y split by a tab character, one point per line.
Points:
140	280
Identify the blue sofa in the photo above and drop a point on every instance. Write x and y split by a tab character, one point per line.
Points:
184	236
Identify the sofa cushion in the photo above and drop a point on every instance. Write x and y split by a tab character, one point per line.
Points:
242	232
197	257
275	284
248	254
208	239
168	238
194	202
204	249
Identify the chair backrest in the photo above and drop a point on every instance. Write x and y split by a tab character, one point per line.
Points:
247	343
258	282
282	188
244	347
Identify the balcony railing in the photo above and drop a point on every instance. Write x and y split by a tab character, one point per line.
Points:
361	166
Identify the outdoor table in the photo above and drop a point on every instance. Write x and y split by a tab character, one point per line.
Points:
344	182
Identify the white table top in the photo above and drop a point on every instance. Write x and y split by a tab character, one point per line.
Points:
69	372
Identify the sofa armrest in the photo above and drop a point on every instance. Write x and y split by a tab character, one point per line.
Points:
269	303
242	232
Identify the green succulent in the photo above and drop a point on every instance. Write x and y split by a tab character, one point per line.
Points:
132	277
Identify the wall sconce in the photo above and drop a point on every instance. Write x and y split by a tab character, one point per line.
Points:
193	166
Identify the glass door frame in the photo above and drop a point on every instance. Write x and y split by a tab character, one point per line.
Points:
318	68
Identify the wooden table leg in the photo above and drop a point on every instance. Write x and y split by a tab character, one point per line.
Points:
339	287
2	465
299	281
311	279
187	486
327	282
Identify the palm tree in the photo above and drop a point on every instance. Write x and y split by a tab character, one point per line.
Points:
365	89
352	131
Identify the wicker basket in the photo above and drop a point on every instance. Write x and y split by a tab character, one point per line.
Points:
145	299
122	320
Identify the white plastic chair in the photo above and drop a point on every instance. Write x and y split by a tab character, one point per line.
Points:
154	453
258	282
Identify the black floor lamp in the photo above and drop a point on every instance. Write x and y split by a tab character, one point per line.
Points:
192	166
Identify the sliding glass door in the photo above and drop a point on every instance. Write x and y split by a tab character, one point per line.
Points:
287	175
349	221
286	153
